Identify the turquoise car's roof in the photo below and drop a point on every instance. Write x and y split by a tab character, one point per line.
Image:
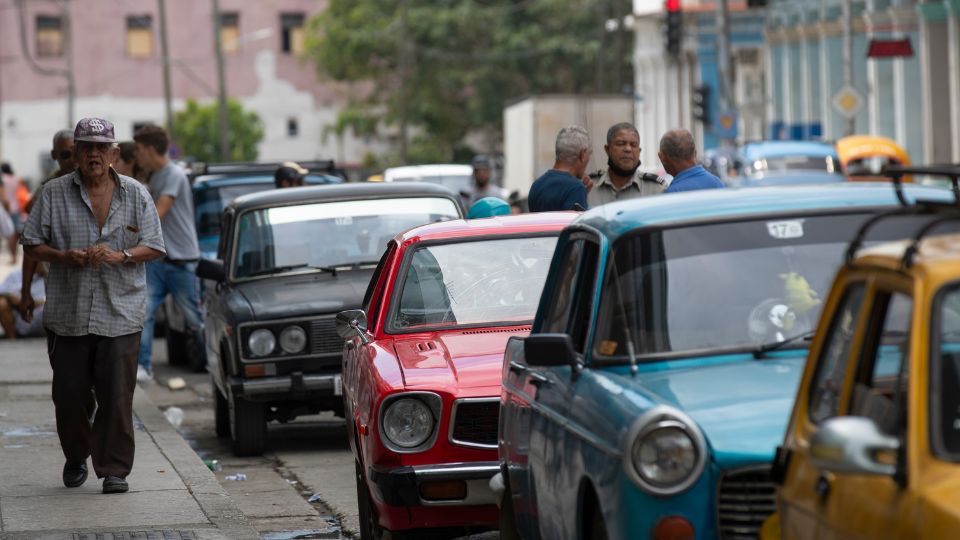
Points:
768	149
617	218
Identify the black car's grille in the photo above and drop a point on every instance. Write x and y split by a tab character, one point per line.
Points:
475	422
744	501
324	338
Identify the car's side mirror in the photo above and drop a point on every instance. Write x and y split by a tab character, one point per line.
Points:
352	323
211	269
549	350
854	445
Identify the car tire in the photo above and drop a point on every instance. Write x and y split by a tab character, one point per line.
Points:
370	528
196	357
598	529
176	347
221	412
508	519
248	427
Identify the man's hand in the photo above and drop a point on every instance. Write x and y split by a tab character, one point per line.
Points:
587	182
26	306
102	254
77	257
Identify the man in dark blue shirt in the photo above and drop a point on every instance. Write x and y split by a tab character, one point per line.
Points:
678	154
564	187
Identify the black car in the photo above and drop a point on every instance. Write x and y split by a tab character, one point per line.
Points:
214	186
287	262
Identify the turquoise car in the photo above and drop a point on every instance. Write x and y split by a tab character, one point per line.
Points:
781	163
660	371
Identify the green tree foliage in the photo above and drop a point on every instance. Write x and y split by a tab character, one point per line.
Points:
197	131
450	66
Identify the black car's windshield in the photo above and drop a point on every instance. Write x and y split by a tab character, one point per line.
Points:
476	283
724	286
336	234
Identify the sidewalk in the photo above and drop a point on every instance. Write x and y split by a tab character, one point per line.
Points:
172	493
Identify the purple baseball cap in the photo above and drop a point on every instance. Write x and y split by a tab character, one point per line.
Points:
94	130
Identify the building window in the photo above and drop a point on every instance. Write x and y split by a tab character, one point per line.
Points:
49	35
230	32
291	36
293	127
139	36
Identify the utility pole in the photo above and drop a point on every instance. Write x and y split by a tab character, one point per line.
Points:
406	63
725	93
165	65
68	46
847	16
222	85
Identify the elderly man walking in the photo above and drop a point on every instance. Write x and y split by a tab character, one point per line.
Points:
623	180
678	154
96	229
565	186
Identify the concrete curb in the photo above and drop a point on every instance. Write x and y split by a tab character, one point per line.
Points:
219	508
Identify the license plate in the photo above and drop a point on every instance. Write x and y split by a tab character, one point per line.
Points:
337	386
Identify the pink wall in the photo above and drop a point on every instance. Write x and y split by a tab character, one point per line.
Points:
103	68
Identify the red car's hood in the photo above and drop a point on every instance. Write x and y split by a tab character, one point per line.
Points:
455	359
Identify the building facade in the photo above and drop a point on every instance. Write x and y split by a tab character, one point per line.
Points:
910	94
113	50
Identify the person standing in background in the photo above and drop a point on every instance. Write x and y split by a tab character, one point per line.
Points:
176	273
678	153
565	186
11	184
622	179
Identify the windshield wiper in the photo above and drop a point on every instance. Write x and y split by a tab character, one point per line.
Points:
332	270
762	350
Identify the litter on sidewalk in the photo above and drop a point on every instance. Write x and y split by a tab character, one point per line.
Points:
239	477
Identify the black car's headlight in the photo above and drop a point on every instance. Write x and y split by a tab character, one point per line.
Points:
665	452
293	339
261	342
408	421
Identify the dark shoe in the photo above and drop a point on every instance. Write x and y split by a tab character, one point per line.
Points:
115	484
74	474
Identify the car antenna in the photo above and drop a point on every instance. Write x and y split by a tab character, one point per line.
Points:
631	353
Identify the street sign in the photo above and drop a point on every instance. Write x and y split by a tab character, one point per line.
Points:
847	101
726	127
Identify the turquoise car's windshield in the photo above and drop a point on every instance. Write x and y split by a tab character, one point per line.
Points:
327	235
724	286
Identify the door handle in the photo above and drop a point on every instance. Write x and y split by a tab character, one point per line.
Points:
517	367
822	488
537	379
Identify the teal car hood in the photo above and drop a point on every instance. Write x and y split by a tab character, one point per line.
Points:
742	406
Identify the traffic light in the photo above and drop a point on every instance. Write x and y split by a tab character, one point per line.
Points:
701	104
673	27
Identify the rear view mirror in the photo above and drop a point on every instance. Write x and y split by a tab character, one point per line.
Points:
549	350
211	269
352	323
854	444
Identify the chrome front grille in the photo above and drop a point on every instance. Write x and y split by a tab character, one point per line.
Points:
324	338
745	500
474	422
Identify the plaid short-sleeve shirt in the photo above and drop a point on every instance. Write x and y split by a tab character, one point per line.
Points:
106	300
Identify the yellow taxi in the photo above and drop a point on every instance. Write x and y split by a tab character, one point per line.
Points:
862	157
873	445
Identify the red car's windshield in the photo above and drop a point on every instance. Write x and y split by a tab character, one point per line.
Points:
476	283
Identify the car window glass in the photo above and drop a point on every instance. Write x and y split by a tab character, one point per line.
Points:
880	389
561	299
831	367
579	322
945	380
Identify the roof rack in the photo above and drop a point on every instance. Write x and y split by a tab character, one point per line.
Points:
945	211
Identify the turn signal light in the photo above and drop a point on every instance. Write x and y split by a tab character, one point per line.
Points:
673	528
443	490
259	370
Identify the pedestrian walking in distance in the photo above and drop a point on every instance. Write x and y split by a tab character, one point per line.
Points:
678	154
565	186
96	228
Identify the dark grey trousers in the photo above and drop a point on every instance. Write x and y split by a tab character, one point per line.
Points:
93	382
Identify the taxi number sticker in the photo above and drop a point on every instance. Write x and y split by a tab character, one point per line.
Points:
785	230
343	221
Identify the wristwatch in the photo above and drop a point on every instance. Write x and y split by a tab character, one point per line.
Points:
127	256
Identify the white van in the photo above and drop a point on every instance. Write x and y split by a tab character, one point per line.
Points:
456	178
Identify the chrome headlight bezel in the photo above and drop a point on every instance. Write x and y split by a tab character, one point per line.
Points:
431	400
285	335
267	335
658	418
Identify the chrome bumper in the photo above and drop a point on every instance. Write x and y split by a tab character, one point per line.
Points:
307	383
401	486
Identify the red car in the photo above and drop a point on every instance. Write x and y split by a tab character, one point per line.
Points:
422	362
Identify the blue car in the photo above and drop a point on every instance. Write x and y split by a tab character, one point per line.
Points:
776	163
661	367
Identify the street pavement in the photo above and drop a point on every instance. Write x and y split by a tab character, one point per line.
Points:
172	493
